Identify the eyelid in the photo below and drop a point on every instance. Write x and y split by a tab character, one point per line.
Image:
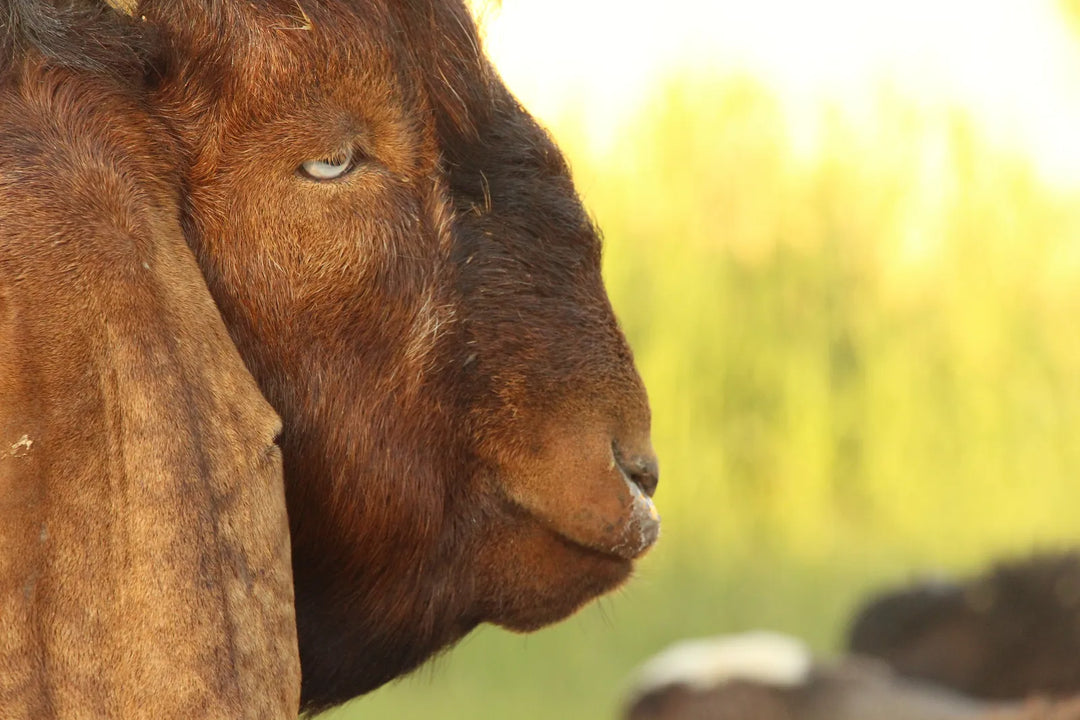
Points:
331	168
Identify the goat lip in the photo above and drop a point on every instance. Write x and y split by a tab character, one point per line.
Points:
643	529
592	505
642	500
633	538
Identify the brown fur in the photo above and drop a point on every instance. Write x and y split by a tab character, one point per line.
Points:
461	412
459	405
144	554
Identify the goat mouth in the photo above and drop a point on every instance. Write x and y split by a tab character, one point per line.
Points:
642	529
624	539
579	487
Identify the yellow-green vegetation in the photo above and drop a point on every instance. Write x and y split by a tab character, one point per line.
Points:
863	359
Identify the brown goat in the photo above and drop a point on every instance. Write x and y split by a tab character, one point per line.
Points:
144	550
399	256
402	261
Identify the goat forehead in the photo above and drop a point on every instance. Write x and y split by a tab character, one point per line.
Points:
363	62
428	47
330	51
341	32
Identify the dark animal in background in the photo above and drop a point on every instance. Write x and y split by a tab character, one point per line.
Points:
1008	633
144	548
764	676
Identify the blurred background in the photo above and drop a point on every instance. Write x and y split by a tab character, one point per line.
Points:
843	238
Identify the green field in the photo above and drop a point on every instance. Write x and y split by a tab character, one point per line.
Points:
863	362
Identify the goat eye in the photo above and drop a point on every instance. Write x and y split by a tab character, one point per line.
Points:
329	168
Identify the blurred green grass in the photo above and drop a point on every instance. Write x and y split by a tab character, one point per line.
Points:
863	361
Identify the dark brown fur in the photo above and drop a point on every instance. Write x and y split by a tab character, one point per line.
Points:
87	36
1011	632
461	412
459	405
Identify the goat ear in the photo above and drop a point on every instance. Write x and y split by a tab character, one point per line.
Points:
144	549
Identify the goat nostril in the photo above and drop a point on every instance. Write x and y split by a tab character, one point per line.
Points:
647	477
642	470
